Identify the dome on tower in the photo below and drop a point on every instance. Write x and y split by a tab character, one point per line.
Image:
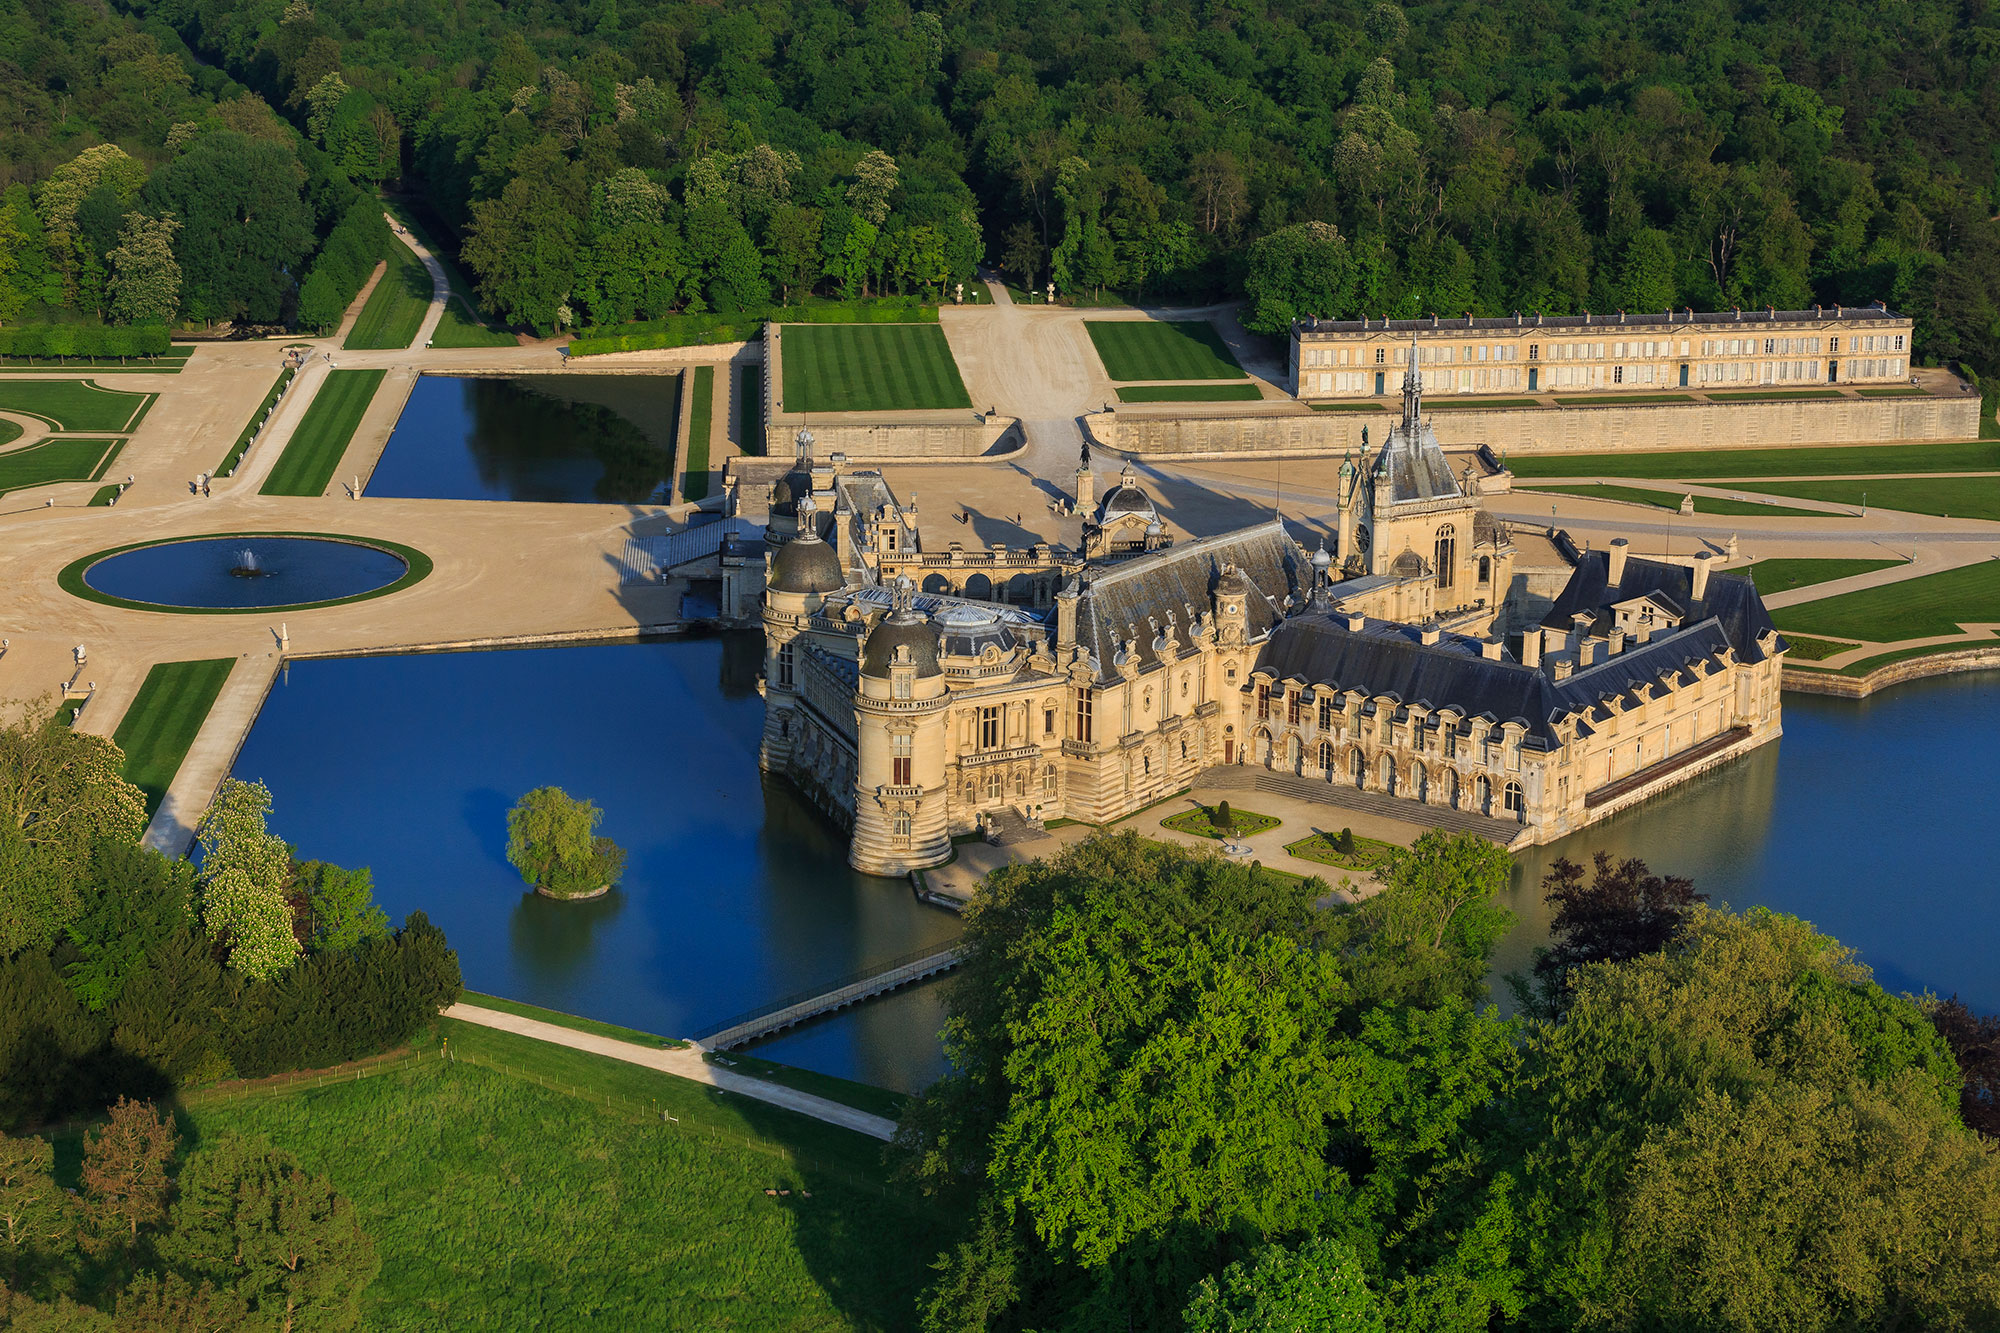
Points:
1408	565
806	565
1126	498
903	628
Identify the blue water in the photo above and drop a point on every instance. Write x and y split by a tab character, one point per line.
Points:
1873	819
291	571
735	892
566	438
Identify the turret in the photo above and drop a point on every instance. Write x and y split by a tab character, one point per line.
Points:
899	728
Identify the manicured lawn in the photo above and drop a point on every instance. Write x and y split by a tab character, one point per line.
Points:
1959	497
1368	856
1374	407
1145	349
162	721
237	450
1965	456
56	460
76	404
1912	609
575	1022
321	438
498	1202
396	307
1784	575
752	385
9	432
1190	393
1624	399
458	329
1813	650
1898	391
103	497
1703	504
1457	404
1771	395
1200	821
701	409
869	368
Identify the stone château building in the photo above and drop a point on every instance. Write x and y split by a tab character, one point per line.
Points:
1334	360
913	703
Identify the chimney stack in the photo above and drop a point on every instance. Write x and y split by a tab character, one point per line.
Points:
1562	668
1701	562
1355	623
1617	643
1586	652
1490	649
1619	549
1428	635
1531	646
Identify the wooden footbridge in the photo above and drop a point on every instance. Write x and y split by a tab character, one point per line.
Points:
866	985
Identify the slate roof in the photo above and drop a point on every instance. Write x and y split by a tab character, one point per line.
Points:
1732	599
1571	324
1387	658
1122	601
1417	467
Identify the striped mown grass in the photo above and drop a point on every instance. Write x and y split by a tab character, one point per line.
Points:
395	309
1916	608
701	406
1703	504
869	368
1811	461
753	409
76	404
65	459
321	438
1144	349
161	722
526	1186
1783	575
1188	393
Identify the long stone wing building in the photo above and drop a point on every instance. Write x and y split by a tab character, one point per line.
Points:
1336	360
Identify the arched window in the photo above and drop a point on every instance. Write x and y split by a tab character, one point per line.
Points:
1485	569
1360	766
1482	794
1389	775
1447	554
1326	757
1515	806
1420	784
993	784
1021	783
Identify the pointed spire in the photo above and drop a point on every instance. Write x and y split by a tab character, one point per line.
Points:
1413	391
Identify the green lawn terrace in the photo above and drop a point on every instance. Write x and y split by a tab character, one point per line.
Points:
826	368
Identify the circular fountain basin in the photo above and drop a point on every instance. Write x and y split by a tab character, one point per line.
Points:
244	572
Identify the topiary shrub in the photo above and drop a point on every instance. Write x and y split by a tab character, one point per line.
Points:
1345	842
1222	818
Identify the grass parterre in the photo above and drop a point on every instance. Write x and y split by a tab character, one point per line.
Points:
306	467
869	368
1184	349
1220	821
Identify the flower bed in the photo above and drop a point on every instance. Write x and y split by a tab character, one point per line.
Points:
1200	822
1369	854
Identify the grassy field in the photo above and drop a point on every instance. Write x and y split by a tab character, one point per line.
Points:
869	368
162	721
321	438
242	445
1912	609
76	404
752	387
1956	497
396	307
1703	504
499	1202
458	329
1190	393
103	497
694	481
9	432
1141	349
56	460
1784	575
1803	649
1967	456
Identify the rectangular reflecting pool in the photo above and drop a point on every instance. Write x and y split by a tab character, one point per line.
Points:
735	893
570	437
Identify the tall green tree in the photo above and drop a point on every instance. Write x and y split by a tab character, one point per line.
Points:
245	229
145	278
244	870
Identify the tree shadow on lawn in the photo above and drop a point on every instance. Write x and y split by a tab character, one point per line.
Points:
868	1243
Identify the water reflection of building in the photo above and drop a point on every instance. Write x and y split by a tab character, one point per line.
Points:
915	697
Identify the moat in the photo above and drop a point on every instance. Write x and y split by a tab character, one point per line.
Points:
1862	819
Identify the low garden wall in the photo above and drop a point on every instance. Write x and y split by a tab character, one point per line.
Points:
1549	430
1807	681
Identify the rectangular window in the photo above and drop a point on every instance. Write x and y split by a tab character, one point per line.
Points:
1263	702
1450	742
989	728
1618	374
902	685
1378	356
1293	701
1048	722
899	760
1083	716
785	667
1325	714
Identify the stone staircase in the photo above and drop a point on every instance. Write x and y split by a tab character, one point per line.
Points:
1007	828
1345	796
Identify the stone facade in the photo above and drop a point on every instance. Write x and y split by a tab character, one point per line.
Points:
1342	360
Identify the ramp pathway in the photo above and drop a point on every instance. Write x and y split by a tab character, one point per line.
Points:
211	756
795	1009
683	1063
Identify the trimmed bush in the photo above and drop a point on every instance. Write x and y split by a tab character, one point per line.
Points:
91	342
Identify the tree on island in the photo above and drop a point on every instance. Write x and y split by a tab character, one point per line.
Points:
552	840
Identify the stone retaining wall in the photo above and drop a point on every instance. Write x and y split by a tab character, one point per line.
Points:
1551	430
1806	681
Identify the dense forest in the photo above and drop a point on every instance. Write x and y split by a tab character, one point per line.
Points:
603	163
